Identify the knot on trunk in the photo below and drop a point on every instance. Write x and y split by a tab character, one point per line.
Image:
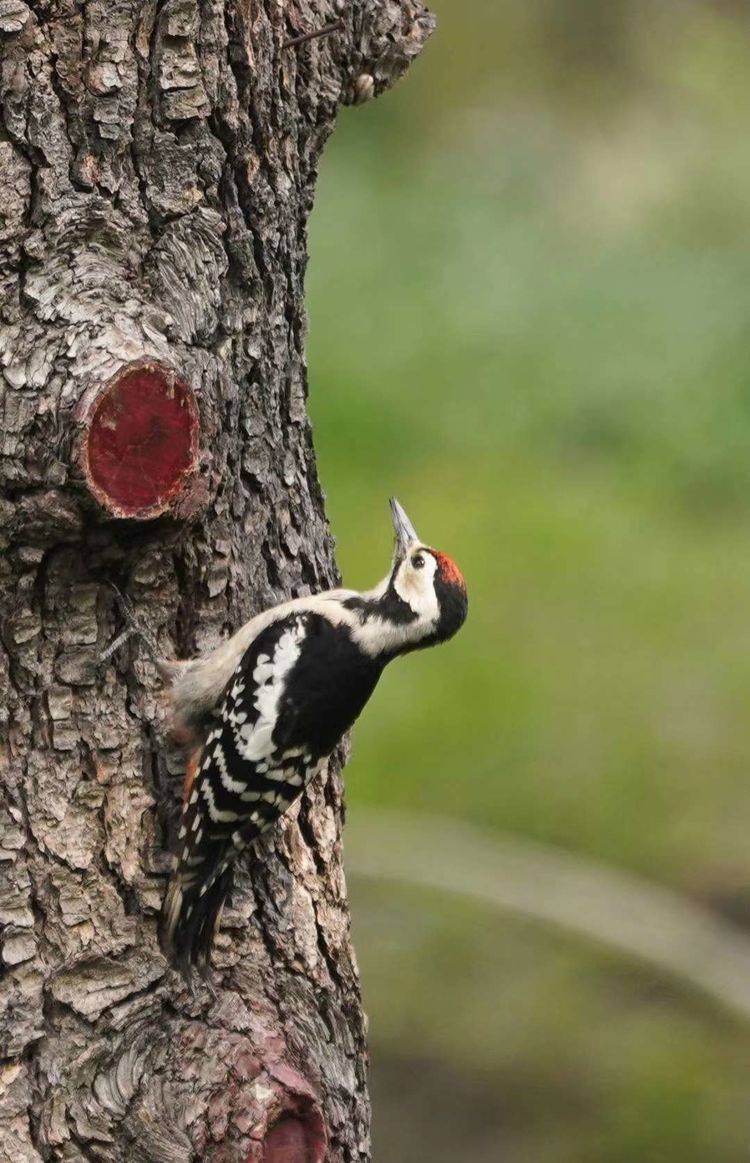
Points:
387	38
202	1091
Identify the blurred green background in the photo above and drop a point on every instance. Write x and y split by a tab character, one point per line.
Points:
529	298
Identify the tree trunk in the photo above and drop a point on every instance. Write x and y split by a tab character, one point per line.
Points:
157	167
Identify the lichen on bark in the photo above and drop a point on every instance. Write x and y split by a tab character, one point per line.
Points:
157	168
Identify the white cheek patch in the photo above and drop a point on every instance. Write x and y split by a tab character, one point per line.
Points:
416	587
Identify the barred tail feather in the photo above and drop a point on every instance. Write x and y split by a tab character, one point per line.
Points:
190	916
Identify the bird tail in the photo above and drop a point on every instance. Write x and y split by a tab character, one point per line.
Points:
191	913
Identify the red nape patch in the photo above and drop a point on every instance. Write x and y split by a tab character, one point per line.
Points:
142	441
449	571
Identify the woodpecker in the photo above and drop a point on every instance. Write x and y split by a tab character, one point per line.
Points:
270	705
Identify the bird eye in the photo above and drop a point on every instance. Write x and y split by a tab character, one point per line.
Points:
417	560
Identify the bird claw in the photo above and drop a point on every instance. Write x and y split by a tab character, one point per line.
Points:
133	627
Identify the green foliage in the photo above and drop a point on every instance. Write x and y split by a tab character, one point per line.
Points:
530	319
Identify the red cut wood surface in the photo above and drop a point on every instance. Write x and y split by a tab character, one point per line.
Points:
142	441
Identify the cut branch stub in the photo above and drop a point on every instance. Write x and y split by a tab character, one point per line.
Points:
140	442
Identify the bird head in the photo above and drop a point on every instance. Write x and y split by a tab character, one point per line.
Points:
427	587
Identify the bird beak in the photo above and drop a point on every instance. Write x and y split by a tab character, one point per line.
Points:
406	534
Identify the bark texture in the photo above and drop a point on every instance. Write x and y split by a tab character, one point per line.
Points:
157	167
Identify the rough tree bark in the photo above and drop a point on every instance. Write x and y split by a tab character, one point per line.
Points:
157	167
